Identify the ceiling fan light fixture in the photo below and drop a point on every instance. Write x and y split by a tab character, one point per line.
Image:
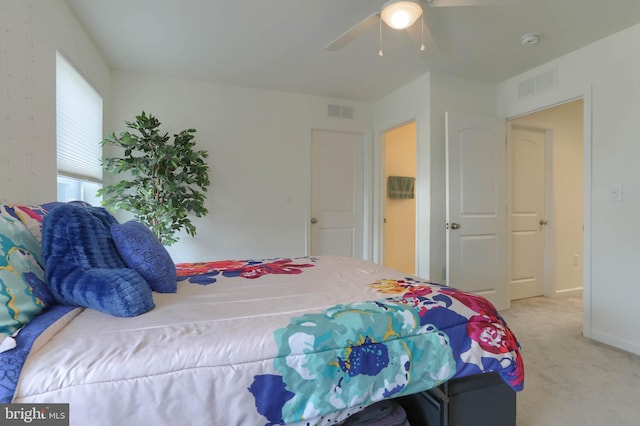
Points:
400	15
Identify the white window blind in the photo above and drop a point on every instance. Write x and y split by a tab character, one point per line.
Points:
79	124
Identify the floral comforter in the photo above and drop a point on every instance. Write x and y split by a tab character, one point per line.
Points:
279	341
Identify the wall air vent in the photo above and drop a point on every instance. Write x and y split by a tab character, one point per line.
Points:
334	111
537	84
340	111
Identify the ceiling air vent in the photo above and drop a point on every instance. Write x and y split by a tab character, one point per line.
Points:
340	111
537	84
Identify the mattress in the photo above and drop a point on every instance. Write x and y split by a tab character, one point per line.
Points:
306	341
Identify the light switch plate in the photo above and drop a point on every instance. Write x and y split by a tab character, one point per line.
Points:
615	193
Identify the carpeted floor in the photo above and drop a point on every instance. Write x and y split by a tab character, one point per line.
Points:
570	380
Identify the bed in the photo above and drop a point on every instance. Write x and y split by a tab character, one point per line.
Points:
307	340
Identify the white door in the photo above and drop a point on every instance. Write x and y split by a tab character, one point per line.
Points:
527	148
337	193
477	206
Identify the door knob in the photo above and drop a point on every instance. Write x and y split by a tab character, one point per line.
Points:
455	225
543	222
314	220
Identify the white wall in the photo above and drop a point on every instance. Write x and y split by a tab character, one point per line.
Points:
608	73
426	100
257	142
31	32
406	104
438	94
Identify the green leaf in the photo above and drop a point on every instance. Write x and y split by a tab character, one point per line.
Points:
165	181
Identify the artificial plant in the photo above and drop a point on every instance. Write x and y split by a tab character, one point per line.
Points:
163	182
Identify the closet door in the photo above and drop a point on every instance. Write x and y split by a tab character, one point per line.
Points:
337	193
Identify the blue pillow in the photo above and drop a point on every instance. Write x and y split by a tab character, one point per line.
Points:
82	264
141	250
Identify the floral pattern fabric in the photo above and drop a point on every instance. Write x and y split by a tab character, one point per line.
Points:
421	336
12	361
23	291
303	340
30	216
205	273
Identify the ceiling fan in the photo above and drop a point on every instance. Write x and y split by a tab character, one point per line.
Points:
402	15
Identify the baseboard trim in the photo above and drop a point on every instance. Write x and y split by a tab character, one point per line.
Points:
577	291
609	340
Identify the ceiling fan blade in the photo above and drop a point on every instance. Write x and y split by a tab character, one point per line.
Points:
450	3
353	32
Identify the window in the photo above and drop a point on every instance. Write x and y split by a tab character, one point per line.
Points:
70	188
78	135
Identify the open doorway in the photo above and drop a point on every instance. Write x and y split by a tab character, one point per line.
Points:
546	256
399	238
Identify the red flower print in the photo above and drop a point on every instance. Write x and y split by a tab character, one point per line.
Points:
241	268
472	301
491	336
199	268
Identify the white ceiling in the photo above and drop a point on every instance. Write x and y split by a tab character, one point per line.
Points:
279	44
